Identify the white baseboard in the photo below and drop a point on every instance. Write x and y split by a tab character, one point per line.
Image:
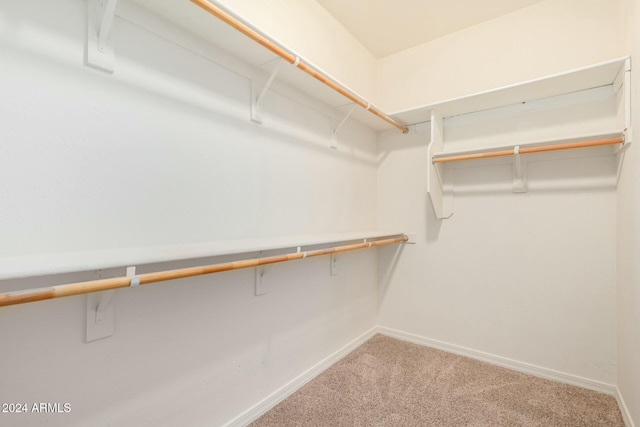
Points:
502	361
283	392
626	415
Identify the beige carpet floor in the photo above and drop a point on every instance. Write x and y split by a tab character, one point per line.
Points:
388	382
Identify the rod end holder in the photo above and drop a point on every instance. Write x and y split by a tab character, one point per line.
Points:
411	238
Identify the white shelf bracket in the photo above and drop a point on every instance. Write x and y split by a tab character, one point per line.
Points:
623	84
260	286
261	289
100	315
334	132
625	144
439	185
103	305
100	45
519	176
258	91
333	264
628	130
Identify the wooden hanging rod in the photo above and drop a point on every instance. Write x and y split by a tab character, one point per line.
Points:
39	294
295	60
528	150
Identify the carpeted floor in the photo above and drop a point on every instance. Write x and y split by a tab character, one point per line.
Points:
387	382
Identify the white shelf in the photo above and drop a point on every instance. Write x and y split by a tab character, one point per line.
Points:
525	144
590	77
47	264
615	73
187	18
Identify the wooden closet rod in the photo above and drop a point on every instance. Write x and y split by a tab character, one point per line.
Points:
295	60
39	294
528	150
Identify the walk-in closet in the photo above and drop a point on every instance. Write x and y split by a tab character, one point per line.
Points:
319	213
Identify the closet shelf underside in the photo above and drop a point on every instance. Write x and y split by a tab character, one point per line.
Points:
68	262
598	75
531	144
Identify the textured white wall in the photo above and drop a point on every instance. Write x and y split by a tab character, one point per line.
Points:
628	233
163	152
546	38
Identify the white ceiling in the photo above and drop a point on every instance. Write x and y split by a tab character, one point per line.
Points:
389	26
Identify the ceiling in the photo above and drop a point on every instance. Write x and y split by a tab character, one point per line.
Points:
389	26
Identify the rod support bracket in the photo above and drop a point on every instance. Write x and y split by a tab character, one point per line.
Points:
100	315
100	312
260	286
411	238
333	264
628	136
258	90
103	305
334	132
100	45
439	182
519	175
626	142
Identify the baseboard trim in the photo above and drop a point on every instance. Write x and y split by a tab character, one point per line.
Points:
292	386
626	415
285	391
504	362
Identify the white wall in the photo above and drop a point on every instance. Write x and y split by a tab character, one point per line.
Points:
628	234
526	277
530	277
163	152
546	38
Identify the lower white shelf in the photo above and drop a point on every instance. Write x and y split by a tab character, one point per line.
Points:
533	144
47	264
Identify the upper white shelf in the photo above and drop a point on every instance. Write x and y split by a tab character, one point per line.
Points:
590	77
184	17
41	265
